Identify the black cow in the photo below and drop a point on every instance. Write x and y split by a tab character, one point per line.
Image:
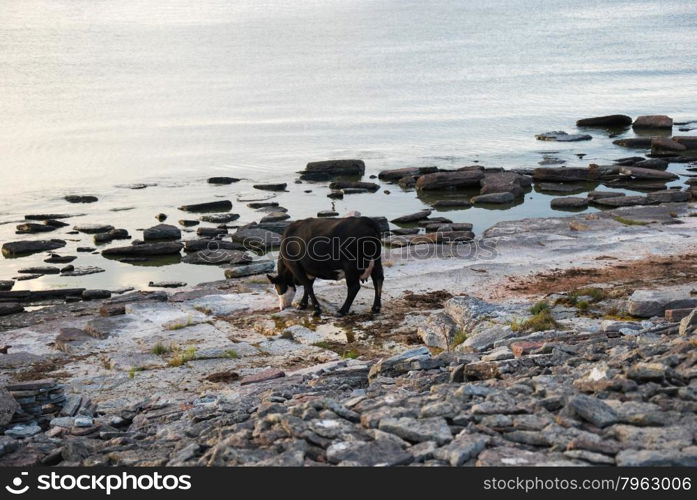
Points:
329	249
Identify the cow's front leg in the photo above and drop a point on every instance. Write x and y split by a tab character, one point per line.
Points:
302	305
353	284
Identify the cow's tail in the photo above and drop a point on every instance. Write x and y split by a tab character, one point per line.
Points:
373	262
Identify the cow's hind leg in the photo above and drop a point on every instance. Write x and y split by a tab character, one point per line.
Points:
378	278
353	284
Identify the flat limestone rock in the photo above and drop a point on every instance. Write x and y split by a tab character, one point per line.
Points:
17	248
607	121
211	206
561	136
146	249
259	267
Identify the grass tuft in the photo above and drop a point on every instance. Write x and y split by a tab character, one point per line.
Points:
132	372
541	321
539	307
183	357
629	222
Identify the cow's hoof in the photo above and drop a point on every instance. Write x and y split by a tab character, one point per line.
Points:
317	313
375	310
341	313
302	307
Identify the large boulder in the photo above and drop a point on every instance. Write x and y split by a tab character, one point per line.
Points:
162	232
450	180
653	121
605	121
564	174
15	248
325	170
505	182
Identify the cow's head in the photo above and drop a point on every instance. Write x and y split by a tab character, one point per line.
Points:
284	288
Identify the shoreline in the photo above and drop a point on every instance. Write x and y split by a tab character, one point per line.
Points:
223	347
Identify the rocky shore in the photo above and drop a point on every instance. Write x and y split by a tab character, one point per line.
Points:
548	341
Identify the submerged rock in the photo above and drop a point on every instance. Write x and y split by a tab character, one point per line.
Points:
166	284
39	270
561	136
344	185
114	234
634	142
81	199
219	218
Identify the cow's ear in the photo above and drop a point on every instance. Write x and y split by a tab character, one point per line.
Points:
272	279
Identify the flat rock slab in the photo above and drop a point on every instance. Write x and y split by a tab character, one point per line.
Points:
211	206
81	271
398	173
219	218
493	198
6	285
569	203
262	376
93	228
102	328
7	309
72	198
649	303
445	181
324	170
418	430
222	180
561	136
563	174
271	187
381	452
415	217
217	257
608	121
254	238
258	267
162	232
145	249
17	248
648	173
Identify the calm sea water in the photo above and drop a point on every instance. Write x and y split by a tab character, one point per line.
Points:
98	93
